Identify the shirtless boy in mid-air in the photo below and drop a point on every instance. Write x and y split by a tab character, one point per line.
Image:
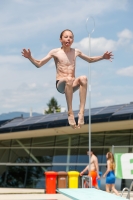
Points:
66	82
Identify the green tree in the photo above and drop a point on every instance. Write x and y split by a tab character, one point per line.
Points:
52	106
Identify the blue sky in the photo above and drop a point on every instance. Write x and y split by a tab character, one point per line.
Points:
37	25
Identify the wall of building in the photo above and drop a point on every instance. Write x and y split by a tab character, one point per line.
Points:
24	161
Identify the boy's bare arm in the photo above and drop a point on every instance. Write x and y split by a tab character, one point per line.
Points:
107	55
37	63
96	165
86	168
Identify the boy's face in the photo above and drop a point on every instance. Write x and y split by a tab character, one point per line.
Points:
67	39
89	153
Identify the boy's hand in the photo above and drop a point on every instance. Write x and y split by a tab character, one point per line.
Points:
108	55
81	173
26	53
98	177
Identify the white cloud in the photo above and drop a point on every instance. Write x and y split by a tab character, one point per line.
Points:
25	95
106	102
111	94
98	45
11	59
125	38
127	34
32	85
27	2
127	71
37	24
33	17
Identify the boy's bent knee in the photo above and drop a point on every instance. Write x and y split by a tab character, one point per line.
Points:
83	79
69	81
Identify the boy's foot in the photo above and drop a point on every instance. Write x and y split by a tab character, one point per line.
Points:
71	120
80	120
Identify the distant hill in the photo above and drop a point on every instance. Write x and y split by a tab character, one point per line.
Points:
11	115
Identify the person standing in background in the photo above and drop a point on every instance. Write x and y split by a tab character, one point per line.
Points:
93	169
110	174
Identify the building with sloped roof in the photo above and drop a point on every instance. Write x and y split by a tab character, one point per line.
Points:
30	146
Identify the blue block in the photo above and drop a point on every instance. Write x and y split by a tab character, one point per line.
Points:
88	193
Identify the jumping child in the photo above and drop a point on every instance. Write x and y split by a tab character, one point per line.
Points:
66	82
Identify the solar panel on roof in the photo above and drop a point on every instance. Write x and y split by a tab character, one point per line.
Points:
41	118
17	122
62	117
94	111
29	121
8	125
128	108
55	117
111	109
76	111
13	122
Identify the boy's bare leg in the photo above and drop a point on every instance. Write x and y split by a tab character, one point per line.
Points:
69	96
70	87
82	81
82	94
97	187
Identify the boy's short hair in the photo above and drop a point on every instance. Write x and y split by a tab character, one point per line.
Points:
64	31
90	151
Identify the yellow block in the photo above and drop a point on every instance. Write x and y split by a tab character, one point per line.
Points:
73	179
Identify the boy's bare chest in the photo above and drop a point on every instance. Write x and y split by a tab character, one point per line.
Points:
66	59
92	161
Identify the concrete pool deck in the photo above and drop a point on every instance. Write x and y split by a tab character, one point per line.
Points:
33	194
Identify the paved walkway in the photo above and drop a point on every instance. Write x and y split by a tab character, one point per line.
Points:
28	194
32	194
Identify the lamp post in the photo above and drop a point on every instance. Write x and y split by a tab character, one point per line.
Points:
90	26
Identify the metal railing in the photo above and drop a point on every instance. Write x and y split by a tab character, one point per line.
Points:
127	146
86	182
127	189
